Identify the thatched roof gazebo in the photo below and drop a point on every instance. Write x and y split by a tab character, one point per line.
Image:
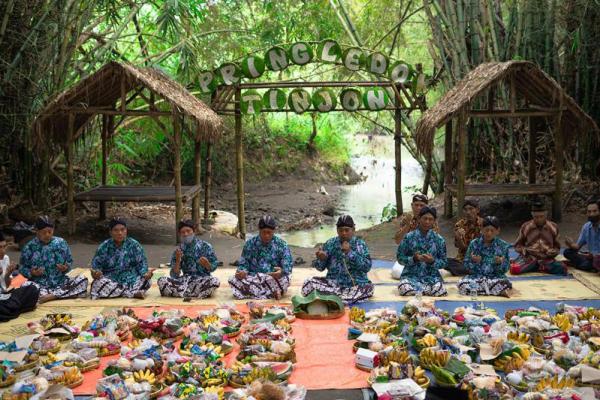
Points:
532	94
108	92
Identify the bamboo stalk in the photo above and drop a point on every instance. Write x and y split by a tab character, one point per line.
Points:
239	162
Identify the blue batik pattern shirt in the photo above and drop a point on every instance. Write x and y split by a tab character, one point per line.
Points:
415	242
124	264
46	256
344	268
258	257
190	260
487	267
590	237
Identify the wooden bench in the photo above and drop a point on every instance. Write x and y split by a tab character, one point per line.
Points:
138	194
504	189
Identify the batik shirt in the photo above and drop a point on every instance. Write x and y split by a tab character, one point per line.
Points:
190	259
263	258
408	222
340	267
472	230
125	264
487	267
540	242
416	242
46	256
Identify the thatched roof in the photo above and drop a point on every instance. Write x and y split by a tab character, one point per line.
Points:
103	89
530	82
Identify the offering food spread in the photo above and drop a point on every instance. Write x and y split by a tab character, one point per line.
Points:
168	355
528	354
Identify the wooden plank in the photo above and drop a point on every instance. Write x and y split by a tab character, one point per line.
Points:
481	189
462	159
207	180
533	127
448	163
398	160
239	164
69	152
137	193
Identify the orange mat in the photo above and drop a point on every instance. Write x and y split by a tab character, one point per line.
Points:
324	355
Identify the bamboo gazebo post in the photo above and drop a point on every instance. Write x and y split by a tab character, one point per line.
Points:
70	184
207	180
559	162
197	177
448	165
177	167
239	163
462	159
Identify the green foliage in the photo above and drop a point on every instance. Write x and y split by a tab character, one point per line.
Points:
389	212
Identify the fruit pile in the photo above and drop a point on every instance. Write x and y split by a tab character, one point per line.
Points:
529	353
157	328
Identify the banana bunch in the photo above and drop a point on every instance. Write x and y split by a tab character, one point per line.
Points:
236	367
419	376
398	356
284	325
145	375
264	374
555	383
50	358
590	314
509	363
218	390
69	377
357	315
213	376
518	337
592	359
427	341
66	319
210	319
430	357
563	322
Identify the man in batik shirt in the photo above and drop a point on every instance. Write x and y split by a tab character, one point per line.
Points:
191	265
265	266
423	254
45	262
347	261
466	229
120	268
408	222
486	262
538	245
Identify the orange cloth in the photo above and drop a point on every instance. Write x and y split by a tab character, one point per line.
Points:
324	355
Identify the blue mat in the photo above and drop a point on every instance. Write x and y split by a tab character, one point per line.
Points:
500	306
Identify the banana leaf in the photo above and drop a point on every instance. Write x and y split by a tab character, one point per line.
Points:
301	303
